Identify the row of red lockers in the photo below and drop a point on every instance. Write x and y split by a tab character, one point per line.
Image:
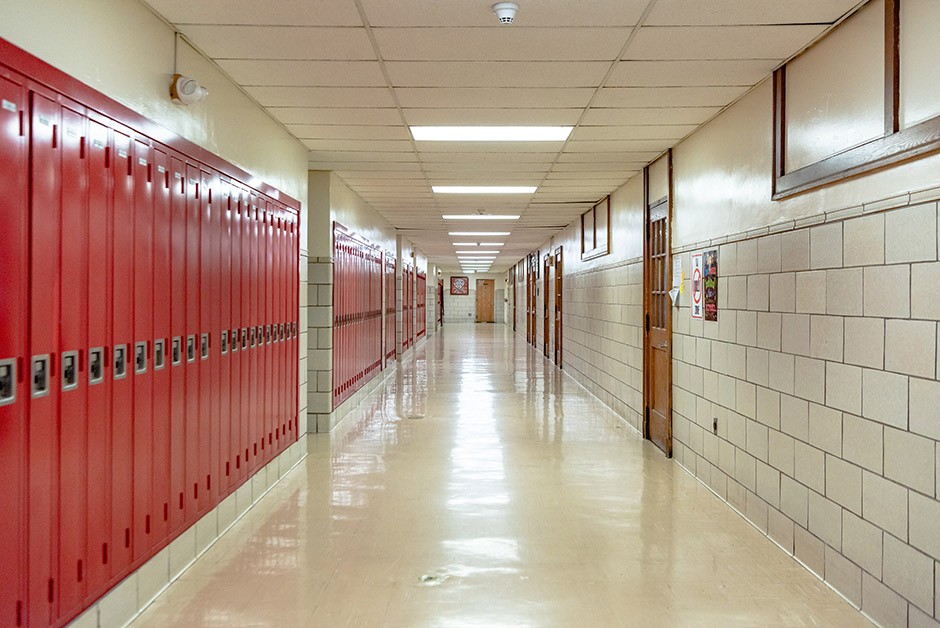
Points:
148	354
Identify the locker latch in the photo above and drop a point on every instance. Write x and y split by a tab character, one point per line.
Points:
140	357
120	361
244	338
267	334
70	370
177	350
159	354
251	336
40	383
204	347
7	381
96	365
260	335
224	341
234	340
191	348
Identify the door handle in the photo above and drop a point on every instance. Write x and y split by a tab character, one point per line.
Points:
662	346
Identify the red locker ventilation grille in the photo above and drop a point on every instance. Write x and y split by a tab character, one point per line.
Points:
134	271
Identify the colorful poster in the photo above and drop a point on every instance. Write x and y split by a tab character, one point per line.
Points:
697	304
710	281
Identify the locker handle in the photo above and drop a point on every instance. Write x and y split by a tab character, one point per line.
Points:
7	381
69	370
40	375
120	361
140	358
95	365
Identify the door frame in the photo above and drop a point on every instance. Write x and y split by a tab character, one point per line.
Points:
489	285
647	287
546	304
559	258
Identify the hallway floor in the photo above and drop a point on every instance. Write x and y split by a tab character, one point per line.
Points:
479	486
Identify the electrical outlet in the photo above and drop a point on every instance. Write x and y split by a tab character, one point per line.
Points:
715	425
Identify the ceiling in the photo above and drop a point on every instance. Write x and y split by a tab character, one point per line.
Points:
347	77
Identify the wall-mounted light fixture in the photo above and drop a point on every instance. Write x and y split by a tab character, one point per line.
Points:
187	91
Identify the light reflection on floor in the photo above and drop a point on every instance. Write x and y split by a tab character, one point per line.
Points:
481	487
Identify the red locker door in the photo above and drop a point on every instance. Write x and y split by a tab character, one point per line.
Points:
98	493
213	329
162	299
257	292
191	444
224	331
294	315
280	431
179	286
245	345
73	330
237	456
205	454
14	388
269	411
122	333
43	347
142	164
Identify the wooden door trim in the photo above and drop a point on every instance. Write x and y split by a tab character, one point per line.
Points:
559	309
647	279
546	307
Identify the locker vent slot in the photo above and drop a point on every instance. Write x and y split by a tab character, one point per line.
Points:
40	381
140	357
7	381
159	354
120	361
70	370
96	365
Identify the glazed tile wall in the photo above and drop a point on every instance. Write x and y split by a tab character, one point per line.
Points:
822	374
319	289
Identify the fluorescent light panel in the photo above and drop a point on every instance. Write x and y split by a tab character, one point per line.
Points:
477	252
483	189
480	217
478	243
490	133
478	233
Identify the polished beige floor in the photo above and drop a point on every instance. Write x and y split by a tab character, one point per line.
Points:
481	487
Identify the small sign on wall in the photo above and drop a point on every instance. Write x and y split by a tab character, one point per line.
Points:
710	281
697	304
459	286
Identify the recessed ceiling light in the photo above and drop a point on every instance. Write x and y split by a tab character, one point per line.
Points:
478	233
490	133
484	189
491	244
480	217
475	252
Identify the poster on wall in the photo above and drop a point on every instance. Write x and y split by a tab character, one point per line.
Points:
710	282
459	286
697	286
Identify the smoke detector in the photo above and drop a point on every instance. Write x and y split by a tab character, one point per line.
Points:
505	11
187	91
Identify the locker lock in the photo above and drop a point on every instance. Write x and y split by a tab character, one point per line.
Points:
96	365
177	350
191	348
7	381
40	371
204	347
140	357
70	370
120	361
159	354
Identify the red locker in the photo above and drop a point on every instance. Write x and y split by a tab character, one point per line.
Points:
73	329
14	386
213	330
269	410
43	348
245	439
142	370
224	330
100	268
203	365
257	294
237	356
122	341
192	445
179	286
162	334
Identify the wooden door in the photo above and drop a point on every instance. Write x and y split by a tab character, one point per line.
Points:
533	298
515	295
546	306
486	293
657	269
558	286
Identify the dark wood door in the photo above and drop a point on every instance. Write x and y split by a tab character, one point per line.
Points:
558	301
658	324
486	293
546	306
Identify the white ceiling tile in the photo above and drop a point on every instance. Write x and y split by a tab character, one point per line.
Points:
326	115
340	97
450	97
541	13
613	146
362	166
306	13
385	146
689	73
721	42
484	44
353	156
624	158
723	12
648	132
484	166
606	175
378	175
646	115
348	132
305	73
667	96
281	42
496	73
488	158
620	166
491	117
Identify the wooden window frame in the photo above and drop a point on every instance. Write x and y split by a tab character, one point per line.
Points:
599	248
893	147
